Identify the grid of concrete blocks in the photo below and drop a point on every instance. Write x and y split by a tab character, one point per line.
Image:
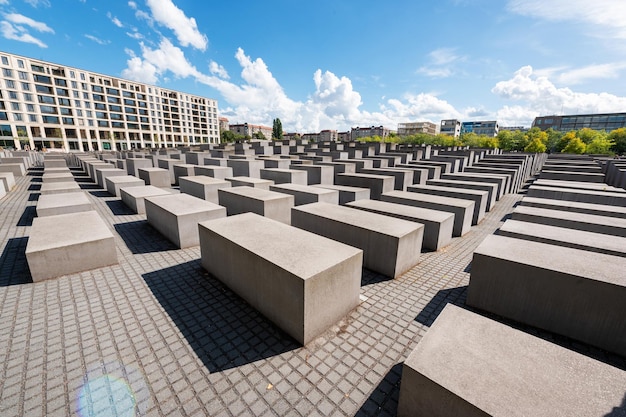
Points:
294	278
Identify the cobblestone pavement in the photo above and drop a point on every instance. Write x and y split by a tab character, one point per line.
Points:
156	335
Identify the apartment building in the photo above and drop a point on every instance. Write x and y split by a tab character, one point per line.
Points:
600	121
414	128
48	105
450	127
248	129
361	132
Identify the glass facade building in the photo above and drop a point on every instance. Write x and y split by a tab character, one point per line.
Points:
604	121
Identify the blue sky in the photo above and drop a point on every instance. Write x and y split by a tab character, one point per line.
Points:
341	64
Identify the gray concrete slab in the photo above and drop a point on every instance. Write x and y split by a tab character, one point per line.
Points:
176	216
566	237
203	187
438	225
463	210
244	199
134	197
469	365
579	221
246	167
63	203
133	165
377	184
115	183
347	193
491	189
59	187
390	246
316	174
8	179
214	171
250	182
575	207
402	177
69	243
478	197
306	194
571	292
17	170
284	176
499	180
158	177
57	177
302	282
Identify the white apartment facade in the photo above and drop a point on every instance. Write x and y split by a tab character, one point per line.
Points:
47	105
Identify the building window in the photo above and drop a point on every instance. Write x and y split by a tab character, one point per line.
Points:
22	75
12	95
26	86
17	117
32	118
30	108
15	106
20	63
7	72
72	74
10	84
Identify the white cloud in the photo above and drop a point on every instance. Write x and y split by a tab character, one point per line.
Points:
14	27
441	63
37	3
539	95
167	14
595	71
115	20
97	40
135	34
19	19
132	5
218	70
606	14
4	1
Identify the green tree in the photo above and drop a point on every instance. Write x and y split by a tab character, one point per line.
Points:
489	142
227	136
575	145
588	135
506	140
565	140
535	145
277	129
618	137
258	135
599	146
554	136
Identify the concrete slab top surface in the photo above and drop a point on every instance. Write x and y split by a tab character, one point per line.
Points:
450	190
346	188
565	204
449	201
404	210
380	223
141	191
580	263
203	179
303	188
61	230
153	169
256	193
250	180
182	204
62	199
363	175
571	216
498	369
302	253
122	179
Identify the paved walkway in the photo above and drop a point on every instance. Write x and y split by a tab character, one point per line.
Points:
156	335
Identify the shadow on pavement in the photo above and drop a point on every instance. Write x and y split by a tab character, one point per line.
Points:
223	330
13	265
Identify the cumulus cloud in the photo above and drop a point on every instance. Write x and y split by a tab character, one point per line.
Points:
218	70
605	14
539	95
135	34
185	28
15	27
589	72
37	3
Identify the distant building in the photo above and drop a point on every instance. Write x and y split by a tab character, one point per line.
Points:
247	129
344	136
43	104
487	128
450	127
514	128
601	121
362	132
413	128
223	123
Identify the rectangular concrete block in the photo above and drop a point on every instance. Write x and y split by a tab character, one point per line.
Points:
176	216
571	292
63	203
478	197
284	176
402	177
271	204
469	365
317	174
463	210
438	225
578	221
134	197
246	167
575	207
306	194
69	243
302	282
133	165
377	184
115	183
561	236
250	182
390	246
17	170
203	187
57	177
183	170
347	194
8	179
491	189
579	195
214	171
59	187
103	172
54	163
157	177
